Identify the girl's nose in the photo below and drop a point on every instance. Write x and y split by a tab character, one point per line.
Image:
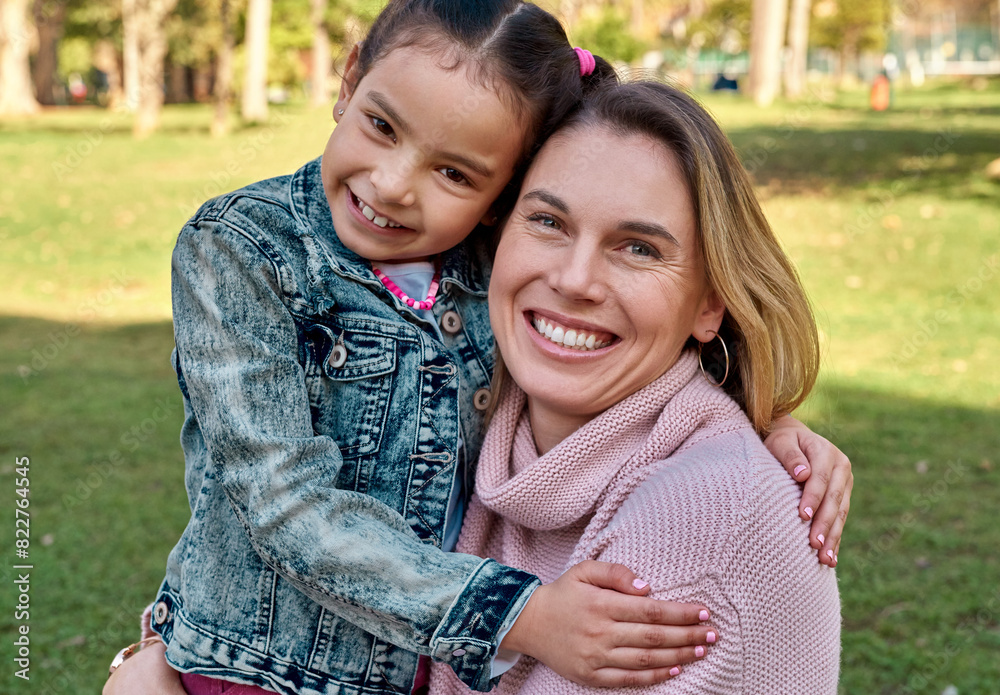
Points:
394	182
578	274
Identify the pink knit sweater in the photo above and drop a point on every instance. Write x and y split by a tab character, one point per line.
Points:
673	482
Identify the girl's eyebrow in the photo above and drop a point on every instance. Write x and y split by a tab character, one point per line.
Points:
635	226
474	165
380	100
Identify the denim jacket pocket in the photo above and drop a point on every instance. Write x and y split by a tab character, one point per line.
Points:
356	370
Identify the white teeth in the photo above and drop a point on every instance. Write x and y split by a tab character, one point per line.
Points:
570	338
374	216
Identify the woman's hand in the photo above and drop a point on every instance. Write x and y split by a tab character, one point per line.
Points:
828	479
595	626
146	672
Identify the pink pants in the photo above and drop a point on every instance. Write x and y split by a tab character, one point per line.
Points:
197	684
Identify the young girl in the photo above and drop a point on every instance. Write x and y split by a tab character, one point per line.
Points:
334	355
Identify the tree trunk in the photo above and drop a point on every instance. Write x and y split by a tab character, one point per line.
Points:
16	94
223	74
145	48
258	29
177	85
767	33
49	20
130	53
320	55
798	48
106	60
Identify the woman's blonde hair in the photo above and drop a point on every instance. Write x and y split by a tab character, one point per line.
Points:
768	327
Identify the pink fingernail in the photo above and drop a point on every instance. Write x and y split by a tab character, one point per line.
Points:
809	512
798	469
675	671
710	638
821	538
639	584
703	615
699	651
829	554
835	560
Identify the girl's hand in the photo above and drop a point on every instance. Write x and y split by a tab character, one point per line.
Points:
595	626
828	479
145	672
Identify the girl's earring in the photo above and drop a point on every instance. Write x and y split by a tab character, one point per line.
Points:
340	112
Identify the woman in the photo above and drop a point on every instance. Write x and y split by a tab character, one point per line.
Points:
611	444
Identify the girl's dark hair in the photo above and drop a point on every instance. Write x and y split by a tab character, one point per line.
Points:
768	326
514	48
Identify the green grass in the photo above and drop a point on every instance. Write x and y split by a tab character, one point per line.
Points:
889	217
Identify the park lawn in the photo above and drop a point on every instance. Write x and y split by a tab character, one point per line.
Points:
889	218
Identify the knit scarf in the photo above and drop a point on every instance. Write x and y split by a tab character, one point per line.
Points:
539	513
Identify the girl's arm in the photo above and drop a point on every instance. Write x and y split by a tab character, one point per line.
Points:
146	672
826	472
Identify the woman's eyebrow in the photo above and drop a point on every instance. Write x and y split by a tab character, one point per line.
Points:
649	229
548	199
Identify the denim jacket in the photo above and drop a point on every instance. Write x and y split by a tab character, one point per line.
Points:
321	438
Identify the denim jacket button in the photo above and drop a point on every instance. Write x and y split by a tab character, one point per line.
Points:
458	652
482	399
160	613
338	357
451	322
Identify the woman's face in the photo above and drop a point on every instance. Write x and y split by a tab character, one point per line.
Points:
601	251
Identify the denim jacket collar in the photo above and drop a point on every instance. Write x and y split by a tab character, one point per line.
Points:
465	266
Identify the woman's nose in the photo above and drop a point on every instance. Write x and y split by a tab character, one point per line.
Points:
394	181
578	274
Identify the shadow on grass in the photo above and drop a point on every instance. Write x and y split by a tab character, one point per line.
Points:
827	160
100	422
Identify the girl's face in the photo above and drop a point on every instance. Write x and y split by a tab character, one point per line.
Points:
417	158
601	252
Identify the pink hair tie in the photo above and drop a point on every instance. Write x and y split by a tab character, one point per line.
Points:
587	62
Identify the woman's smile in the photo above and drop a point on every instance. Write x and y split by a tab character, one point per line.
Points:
569	334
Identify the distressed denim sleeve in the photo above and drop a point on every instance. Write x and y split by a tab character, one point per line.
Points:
238	353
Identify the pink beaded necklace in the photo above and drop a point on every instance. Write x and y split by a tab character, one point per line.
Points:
408	300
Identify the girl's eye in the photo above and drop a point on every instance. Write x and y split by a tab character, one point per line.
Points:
383	127
454	175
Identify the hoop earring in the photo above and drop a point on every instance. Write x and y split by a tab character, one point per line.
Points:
700	364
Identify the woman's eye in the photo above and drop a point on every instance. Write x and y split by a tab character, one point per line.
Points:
383	127
454	175
639	249
545	221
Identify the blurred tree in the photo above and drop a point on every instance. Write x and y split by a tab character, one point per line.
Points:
319	93
16	33
850	26
145	46
767	33
50	17
798	48
605	30
223	92
258	29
